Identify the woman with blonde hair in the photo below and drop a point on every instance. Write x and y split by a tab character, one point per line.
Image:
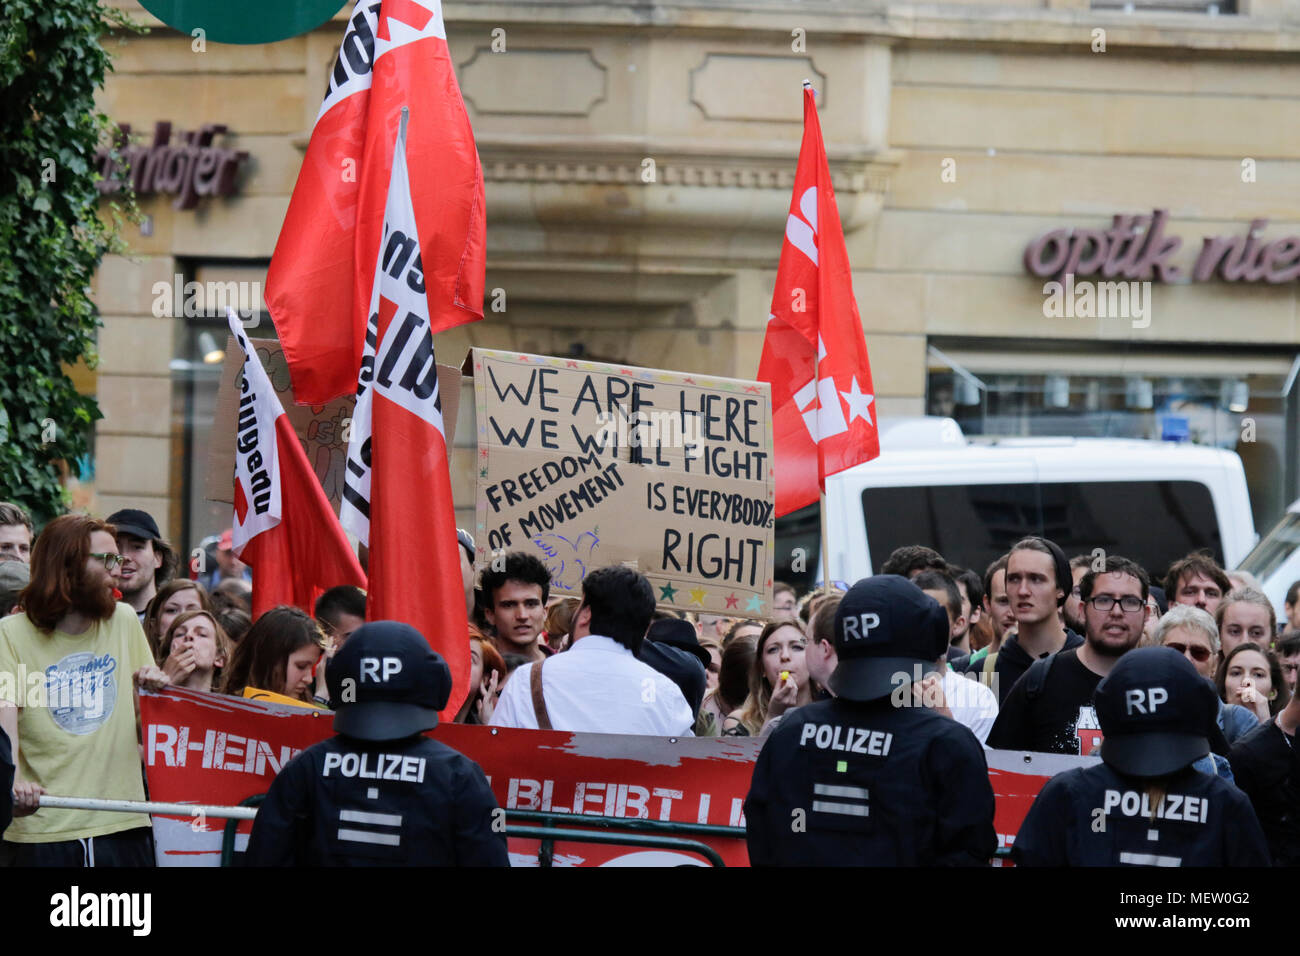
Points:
778	680
194	650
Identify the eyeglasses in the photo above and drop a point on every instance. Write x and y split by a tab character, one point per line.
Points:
1129	603
1200	653
110	561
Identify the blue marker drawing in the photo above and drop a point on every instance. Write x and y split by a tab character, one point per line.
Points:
566	559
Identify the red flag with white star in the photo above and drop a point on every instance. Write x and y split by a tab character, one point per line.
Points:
814	353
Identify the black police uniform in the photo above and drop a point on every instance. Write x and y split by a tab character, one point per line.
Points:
380	793
348	802
879	785
1155	713
858	780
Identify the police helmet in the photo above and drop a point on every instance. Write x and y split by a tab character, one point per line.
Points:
1155	713
386	683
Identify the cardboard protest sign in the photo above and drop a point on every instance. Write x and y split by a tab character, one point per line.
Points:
322	429
588	465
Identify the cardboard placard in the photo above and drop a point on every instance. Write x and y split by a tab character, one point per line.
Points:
320	428
588	465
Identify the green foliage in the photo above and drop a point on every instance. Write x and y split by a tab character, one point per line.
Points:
51	237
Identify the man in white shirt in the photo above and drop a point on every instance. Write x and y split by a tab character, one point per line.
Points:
968	702
598	685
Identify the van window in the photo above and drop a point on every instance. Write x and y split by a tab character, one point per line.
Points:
1151	522
1276	546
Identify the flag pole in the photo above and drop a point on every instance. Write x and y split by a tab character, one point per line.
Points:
826	564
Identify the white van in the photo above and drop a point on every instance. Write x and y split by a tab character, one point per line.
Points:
1276	559
1149	501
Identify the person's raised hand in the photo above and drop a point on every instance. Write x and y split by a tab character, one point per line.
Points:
784	697
487	700
179	664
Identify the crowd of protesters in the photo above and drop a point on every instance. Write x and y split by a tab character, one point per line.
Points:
1031	638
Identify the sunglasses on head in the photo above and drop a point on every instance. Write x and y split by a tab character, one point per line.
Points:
1200	653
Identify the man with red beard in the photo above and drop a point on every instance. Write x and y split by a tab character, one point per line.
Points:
67	702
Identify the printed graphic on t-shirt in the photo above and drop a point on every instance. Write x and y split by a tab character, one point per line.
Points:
81	691
1087	730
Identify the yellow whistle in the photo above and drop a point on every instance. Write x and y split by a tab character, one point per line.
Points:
785	675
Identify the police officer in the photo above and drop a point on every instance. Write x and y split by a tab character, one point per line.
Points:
1144	804
379	793
873	777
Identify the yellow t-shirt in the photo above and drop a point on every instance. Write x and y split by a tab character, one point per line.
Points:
76	725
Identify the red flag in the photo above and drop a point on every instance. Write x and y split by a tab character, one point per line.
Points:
397	493
814	353
284	527
318	285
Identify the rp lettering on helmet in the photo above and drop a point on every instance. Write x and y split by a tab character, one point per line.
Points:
1144	701
373	667
858	627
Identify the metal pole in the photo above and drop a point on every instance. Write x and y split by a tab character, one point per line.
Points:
144	806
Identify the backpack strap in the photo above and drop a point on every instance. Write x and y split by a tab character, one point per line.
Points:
539	699
990	664
1036	677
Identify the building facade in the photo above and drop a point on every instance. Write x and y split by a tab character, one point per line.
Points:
639	160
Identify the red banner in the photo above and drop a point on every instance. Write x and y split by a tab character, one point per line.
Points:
221	750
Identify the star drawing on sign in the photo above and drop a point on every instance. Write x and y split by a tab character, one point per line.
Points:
732	600
698	595
754	604
667	592
859	403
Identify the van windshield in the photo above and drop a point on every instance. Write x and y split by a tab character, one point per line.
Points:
1275	547
1151	522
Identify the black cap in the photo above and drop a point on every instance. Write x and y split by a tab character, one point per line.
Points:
678	633
885	627
387	683
1155	713
137	523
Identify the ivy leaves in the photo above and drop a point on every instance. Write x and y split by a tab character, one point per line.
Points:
52	237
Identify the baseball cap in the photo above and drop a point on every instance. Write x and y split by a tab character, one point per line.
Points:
885	627
1155	713
137	523
675	632
387	683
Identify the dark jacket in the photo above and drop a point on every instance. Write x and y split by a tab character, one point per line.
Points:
850	784
410	802
681	667
1013	660
1094	816
1266	768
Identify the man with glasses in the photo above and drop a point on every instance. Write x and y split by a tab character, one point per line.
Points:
1050	710
74	728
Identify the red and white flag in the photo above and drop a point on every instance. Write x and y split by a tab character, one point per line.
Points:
284	527
318	285
814	353
397	491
